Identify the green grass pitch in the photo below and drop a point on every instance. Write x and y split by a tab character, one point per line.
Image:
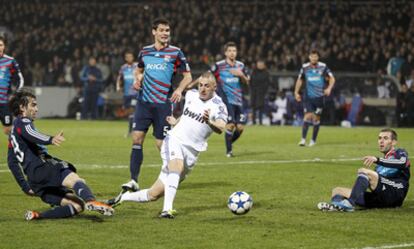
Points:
285	181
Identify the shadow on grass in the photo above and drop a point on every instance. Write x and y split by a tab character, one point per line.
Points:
90	217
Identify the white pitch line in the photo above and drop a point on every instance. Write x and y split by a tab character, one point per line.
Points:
248	162
389	246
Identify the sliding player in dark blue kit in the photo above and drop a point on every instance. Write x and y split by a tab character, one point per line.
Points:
230	73
50	178
157	64
9	74
124	83
314	74
388	182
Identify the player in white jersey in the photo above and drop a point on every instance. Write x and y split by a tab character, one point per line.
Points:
204	113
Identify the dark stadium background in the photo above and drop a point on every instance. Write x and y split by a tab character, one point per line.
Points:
367	44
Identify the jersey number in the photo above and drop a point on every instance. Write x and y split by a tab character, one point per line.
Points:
19	154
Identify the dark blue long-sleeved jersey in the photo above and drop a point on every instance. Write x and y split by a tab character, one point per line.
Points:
25	145
395	164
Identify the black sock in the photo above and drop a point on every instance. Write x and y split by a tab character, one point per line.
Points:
360	186
235	136
228	137
305	128
83	191
315	130
58	212
137	156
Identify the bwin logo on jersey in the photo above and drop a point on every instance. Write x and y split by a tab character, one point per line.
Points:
197	116
156	66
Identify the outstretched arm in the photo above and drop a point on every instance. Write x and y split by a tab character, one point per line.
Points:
177	94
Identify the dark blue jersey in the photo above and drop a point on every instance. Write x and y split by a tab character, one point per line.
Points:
159	68
314	77
25	142
9	73
395	164
126	74
228	84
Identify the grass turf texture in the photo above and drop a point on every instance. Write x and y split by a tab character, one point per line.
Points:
285	193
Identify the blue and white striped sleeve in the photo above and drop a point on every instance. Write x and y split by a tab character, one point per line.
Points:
30	133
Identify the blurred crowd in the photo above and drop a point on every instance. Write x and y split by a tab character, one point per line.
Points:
53	40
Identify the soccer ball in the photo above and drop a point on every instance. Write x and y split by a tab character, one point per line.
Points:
240	202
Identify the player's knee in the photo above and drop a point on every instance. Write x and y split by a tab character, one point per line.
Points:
363	171
7	130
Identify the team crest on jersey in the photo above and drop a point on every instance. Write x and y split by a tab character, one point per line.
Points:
167	58
157	55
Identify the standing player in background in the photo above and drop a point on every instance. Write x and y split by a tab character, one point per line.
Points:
157	64
9	74
204	113
314	74
388	182
230	73
125	82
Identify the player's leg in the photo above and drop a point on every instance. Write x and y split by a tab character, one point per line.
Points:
175	169
66	205
307	121
6	119
142	121
144	195
366	179
240	120
230	127
73	181
7	130
316	117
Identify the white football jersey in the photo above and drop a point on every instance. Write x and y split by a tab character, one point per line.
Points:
191	129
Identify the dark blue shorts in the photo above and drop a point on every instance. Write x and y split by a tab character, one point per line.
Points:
314	105
54	195
130	101
236	114
49	175
5	115
389	193
155	114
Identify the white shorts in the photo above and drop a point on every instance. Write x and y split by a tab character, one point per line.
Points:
173	149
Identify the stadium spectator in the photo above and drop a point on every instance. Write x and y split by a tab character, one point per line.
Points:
38	74
401	107
352	43
259	84
204	113
388	182
92	85
48	177
410	106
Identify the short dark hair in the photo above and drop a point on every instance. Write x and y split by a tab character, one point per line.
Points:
229	44
128	51
159	21
393	133
314	51
20	98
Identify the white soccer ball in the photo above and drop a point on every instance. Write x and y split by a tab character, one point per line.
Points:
240	202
